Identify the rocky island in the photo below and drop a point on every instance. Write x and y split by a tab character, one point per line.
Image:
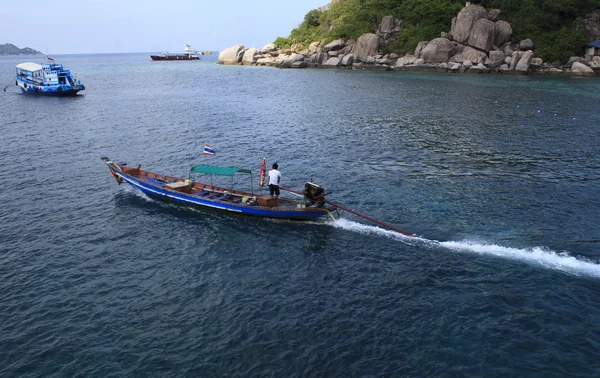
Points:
10	49
478	41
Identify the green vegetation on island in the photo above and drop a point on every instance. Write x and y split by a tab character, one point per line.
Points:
556	26
10	49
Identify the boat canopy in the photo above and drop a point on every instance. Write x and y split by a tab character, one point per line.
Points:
29	66
215	170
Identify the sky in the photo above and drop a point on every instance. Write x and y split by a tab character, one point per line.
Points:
119	26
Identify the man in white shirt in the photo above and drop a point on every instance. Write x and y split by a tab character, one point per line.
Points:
274	179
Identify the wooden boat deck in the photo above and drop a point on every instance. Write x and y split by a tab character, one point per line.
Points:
203	191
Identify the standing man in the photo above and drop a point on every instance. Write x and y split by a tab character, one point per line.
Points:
274	179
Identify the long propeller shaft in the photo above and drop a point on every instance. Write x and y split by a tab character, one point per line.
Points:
357	214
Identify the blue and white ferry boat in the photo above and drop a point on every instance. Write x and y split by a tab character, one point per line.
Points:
47	79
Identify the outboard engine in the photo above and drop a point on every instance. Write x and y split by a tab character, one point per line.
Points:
314	193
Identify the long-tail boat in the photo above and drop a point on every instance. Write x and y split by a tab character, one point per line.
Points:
202	195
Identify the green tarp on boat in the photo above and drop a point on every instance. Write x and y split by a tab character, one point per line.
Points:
215	170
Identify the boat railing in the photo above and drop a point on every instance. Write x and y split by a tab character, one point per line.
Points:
32	79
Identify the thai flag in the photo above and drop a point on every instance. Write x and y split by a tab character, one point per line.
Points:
50	59
207	150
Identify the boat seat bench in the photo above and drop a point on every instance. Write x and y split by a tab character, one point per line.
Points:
222	198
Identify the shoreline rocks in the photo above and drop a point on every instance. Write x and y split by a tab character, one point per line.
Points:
478	43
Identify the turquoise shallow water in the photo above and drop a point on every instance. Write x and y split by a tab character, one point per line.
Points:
498	176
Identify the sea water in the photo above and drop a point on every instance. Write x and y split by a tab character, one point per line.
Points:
497	176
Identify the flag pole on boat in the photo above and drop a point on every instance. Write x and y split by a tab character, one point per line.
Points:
263	171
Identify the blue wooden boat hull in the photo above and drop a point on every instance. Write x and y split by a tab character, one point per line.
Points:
157	190
64	90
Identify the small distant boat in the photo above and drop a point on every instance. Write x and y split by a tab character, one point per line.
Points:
191	193
188	54
47	79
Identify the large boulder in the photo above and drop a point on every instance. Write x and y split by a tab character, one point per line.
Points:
526	44
420	47
582	70
436	51
482	34
406	60
467	17
577	59
298	57
269	47
504	68
295	47
382	60
347	60
502	33
231	55
285	63
388	24
478	69
555	71
349	46
299	64
338	44
493	14
537	63
314	47
454	67
332	62
366	45
319	58
524	62
265	61
591	25
470	54
249	56
388	29
508	49
496	58
516	57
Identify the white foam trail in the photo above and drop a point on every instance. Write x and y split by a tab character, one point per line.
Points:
366	229
138	193
544	257
561	261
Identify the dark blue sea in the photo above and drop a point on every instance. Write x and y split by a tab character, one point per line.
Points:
498	176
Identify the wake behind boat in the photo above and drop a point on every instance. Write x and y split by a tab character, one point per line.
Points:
207	196
47	79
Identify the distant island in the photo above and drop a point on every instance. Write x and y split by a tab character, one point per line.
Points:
10	49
